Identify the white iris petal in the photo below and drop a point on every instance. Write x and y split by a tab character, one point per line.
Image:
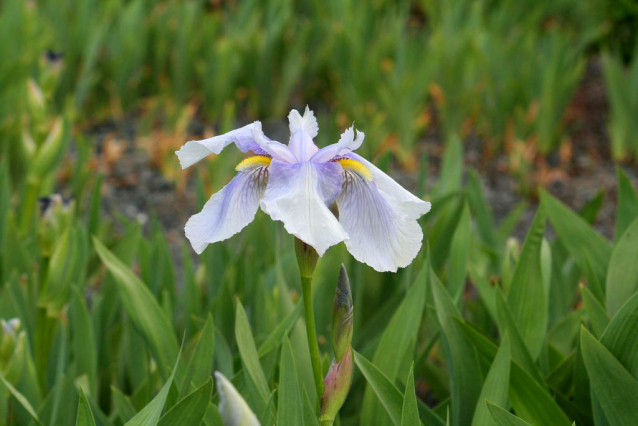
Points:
229	210
299	195
381	234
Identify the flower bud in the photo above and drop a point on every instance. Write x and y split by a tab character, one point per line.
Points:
342	316
48	156
307	258
336	386
12	344
232	407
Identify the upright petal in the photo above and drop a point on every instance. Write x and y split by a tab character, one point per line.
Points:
193	151
298	195
408	203
302	146
231	209
275	149
380	233
307	123
233	408
347	143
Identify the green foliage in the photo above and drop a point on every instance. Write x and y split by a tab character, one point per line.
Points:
480	329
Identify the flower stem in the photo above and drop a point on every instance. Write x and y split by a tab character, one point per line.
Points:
315	358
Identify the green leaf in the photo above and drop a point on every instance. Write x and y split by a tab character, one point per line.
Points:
627	204
532	402
459	253
85	415
384	389
526	297
410	411
289	408
614	387
199	369
578	236
123	405
461	358
620	335
496	385
504	418
191	409
145	313
248	352
395	342
84	345
481	210
622	277
595	311
520	353
274	338
24	402
150	414
266	416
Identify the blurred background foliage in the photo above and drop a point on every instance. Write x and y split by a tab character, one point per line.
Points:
103	301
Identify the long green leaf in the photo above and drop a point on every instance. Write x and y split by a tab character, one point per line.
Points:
394	345
526	298
145	313
578	237
496	385
191	409
622	277
248	352
615	388
289	408
151	413
21	399
384	389
595	311
627	204
85	415
200	367
410	411
461	358
504	418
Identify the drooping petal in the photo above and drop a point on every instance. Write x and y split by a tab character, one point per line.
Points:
273	148
408	203
298	195
380	233
307	123
231	209
193	151
347	143
233	408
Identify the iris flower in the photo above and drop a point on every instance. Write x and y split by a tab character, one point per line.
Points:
297	183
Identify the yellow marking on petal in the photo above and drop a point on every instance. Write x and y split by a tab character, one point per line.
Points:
355	166
252	162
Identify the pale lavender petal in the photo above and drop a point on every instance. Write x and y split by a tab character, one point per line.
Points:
193	151
347	143
409	204
307	123
273	148
298	195
229	210
380	233
302	146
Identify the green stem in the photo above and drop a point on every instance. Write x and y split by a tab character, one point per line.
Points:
315	358
327	422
